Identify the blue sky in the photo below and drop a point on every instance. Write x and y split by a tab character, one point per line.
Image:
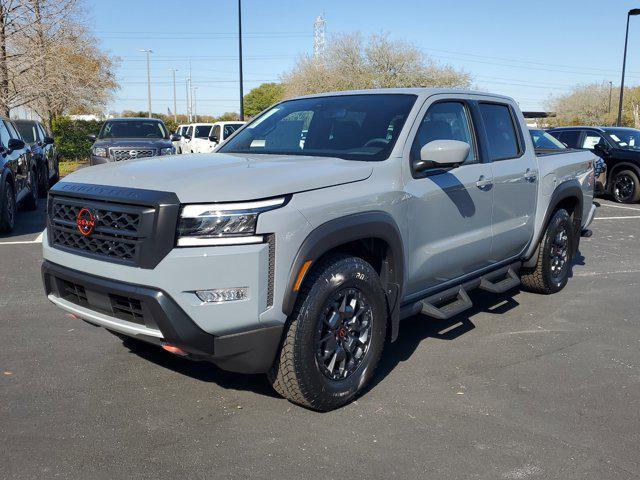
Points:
528	50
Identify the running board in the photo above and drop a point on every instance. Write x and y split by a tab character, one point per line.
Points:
507	283
460	303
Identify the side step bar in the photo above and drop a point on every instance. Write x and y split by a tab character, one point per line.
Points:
455	299
460	303
511	280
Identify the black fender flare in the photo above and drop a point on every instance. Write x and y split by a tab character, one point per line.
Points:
619	166
568	189
339	231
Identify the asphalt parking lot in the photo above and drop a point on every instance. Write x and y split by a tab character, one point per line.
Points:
523	386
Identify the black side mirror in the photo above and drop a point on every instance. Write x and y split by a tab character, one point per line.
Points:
175	137
92	137
186	136
15	144
48	140
214	138
601	148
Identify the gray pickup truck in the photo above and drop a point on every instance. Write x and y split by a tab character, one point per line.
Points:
298	246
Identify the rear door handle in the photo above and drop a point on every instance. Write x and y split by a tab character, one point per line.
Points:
484	183
530	175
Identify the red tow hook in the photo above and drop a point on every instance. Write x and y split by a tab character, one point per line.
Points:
175	350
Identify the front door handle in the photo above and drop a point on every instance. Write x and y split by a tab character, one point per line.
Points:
484	183
530	175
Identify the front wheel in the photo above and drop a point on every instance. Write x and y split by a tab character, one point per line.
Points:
43	186
555	252
7	209
625	187
335	336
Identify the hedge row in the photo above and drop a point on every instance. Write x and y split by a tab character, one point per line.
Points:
71	137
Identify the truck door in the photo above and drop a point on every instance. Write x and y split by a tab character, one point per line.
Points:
449	212
515	180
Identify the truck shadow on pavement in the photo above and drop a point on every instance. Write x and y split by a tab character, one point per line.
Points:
202	371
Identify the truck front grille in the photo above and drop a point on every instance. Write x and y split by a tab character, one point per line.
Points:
119	154
117	234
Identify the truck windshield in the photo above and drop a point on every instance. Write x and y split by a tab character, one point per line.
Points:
133	129
624	137
353	127
542	140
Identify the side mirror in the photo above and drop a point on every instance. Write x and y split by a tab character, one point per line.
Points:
15	144
175	137
186	136
48	140
92	137
601	148
214	138
442	154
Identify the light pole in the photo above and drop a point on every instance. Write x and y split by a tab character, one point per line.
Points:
195	105
187	84
148	52
632	12
240	57
610	89
175	109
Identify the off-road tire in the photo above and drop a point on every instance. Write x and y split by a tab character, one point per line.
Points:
540	279
633	177
7	209
30	202
296	374
56	174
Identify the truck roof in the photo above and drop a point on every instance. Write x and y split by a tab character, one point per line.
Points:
407	91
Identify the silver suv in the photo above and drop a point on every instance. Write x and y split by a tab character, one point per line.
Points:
298	246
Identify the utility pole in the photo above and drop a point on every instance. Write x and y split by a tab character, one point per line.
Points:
240	58
175	108
610	89
186	84
632	12
148	52
195	104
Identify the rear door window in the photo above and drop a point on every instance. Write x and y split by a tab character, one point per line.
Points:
4	134
202	131
569	137
591	139
501	131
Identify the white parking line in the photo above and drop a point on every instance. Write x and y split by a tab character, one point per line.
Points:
617	218
38	239
619	206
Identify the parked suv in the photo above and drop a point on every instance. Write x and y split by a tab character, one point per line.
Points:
18	176
128	138
179	140
298	259
618	147
44	152
220	132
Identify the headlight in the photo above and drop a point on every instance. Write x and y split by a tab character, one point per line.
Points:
167	151
222	223
100	152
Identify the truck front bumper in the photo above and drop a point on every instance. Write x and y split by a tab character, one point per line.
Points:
150	314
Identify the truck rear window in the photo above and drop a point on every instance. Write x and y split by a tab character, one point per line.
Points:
354	127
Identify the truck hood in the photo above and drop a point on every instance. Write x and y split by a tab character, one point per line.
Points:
218	177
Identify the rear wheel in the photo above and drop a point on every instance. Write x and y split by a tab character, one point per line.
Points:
555	252
625	186
335	336
7	209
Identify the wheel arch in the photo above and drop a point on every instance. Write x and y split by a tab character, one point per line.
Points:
373	236
567	195
622	165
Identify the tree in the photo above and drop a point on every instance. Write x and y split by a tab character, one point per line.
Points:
589	105
350	63
262	97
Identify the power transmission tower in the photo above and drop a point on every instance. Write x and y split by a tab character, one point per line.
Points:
318	36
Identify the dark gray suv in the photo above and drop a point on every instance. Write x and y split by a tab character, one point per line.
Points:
130	138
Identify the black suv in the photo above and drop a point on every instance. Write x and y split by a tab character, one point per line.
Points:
620	149
18	175
44	152
131	138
